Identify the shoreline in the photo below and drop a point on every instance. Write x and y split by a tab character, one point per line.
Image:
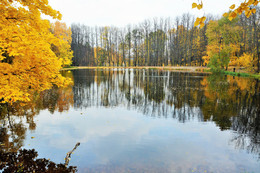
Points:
173	68
187	69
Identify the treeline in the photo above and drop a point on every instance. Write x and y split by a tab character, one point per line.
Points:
154	42
159	42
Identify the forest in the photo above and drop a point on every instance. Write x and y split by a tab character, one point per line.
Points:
176	42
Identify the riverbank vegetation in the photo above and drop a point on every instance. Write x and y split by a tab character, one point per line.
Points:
219	44
27	65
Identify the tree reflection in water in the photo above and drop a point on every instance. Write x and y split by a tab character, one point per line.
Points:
12	136
25	161
231	102
247	123
16	119
154	93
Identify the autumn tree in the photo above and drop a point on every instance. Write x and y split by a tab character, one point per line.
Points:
27	62
62	48
223	42
247	7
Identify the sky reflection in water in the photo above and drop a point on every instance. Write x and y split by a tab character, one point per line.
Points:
137	121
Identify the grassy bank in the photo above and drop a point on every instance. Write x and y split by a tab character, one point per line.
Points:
241	74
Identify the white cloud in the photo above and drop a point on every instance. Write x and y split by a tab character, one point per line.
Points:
122	137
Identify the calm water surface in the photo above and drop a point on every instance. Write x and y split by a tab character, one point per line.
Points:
143	121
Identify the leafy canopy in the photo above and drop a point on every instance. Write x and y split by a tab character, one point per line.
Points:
27	62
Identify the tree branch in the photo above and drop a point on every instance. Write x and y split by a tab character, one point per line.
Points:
67	158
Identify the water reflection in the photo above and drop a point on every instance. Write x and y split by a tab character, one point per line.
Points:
232	103
154	93
26	161
17	119
163	94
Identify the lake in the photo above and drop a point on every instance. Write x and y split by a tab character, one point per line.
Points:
142	121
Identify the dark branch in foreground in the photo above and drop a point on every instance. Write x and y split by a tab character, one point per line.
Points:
67	158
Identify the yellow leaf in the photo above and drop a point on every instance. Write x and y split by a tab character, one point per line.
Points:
250	2
203	19
239	10
255	3
202	25
248	14
232	6
200	6
253	10
194	5
225	14
233	14
230	18
197	22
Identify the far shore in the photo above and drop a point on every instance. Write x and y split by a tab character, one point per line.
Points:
170	68
188	69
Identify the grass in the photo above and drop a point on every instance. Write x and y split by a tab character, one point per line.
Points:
241	74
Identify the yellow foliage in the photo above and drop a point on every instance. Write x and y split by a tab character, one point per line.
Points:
200	21
253	11
246	60
243	7
27	63
205	60
233	61
218	41
62	47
